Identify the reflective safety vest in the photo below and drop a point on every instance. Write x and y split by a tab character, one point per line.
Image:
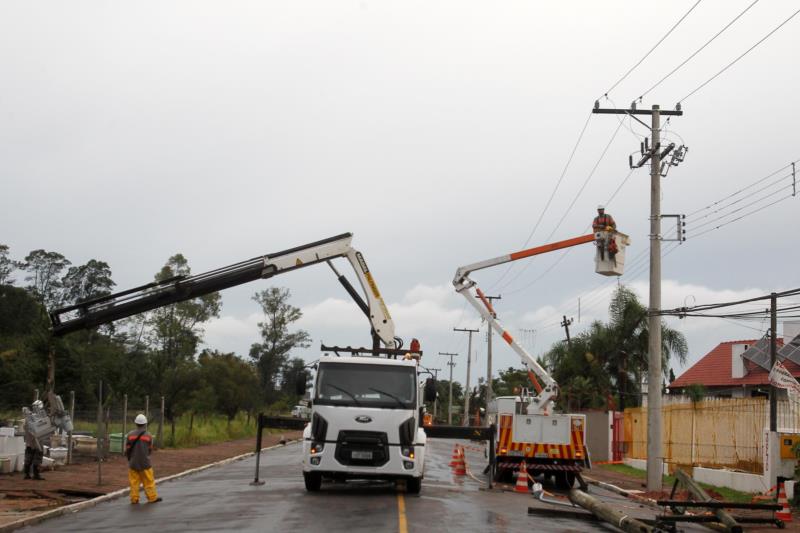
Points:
603	221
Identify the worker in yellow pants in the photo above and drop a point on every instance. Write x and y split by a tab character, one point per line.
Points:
145	478
138	445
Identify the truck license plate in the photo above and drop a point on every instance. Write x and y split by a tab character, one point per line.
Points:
360	455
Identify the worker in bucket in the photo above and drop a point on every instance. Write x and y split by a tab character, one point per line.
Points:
33	448
138	445
603	223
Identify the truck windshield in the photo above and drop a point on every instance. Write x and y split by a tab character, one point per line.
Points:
361	385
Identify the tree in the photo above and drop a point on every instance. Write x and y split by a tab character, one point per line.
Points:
87	282
44	275
172	334
610	359
7	266
272	353
292	374
233	381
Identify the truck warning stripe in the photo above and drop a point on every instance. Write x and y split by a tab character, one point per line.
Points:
507	337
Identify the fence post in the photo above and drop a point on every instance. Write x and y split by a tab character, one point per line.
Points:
161	426
100	434
147	406
71	417
35	394
124	417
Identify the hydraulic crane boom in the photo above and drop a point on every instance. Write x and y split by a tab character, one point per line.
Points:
547	391
180	288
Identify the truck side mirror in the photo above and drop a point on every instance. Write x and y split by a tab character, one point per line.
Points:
300	384
430	390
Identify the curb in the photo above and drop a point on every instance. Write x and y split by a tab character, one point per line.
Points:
75	507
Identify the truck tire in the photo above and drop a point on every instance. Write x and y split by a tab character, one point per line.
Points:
414	485
313	481
565	480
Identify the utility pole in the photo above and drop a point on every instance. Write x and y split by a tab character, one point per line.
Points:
653	154
566	324
773	449
436	400
489	391
451	364
469	361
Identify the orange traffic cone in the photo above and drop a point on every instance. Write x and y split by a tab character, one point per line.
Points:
460	468
522	479
784	514
454	458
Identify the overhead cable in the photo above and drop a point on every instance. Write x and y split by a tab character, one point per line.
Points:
673	71
729	65
653	48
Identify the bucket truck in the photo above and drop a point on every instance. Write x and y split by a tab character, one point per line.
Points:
528	430
365	413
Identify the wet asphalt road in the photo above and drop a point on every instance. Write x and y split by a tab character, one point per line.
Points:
221	499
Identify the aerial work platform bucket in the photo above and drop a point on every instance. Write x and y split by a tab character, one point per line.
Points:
609	258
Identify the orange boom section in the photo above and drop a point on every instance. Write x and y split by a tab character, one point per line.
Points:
541	450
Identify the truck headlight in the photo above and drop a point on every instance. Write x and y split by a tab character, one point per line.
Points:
408	465
407	451
315	460
317	447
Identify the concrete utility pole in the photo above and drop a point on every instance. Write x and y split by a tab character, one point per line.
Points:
451	364
773	449
654	154
469	361
489	391
566	324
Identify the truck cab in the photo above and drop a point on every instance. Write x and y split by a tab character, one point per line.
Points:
365	422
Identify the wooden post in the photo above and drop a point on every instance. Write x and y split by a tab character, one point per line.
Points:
161	426
607	513
35	394
697	491
147	406
124	418
71	417
99	433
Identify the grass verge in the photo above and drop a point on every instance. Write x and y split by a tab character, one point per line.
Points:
726	493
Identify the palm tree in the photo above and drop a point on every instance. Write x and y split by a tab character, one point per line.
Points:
611	359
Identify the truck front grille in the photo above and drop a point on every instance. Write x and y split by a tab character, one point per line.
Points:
371	446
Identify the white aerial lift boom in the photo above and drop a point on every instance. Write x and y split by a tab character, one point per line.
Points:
522	432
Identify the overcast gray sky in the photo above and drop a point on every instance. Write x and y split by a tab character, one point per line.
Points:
434	131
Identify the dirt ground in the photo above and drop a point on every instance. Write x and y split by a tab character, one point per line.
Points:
76	482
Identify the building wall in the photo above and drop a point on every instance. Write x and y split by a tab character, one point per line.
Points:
598	434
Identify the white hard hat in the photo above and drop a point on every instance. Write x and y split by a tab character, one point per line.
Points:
140	419
38	404
601	206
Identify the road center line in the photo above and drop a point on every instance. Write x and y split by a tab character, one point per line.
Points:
402	525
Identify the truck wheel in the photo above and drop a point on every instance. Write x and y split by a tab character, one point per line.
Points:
414	485
313	481
565	480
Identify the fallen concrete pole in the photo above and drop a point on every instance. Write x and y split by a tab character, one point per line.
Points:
607	513
699	493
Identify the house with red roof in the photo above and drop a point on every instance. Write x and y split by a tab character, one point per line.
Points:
740	369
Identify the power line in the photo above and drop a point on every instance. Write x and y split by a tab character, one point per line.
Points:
673	71
744	216
741	208
552	195
571	205
740	190
729	65
653	48
694	216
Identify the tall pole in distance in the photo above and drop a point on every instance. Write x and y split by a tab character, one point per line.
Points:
469	361
489	390
451	364
566	324
436	400
654	452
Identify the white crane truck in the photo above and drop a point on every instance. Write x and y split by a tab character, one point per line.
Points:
528	430
366	413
